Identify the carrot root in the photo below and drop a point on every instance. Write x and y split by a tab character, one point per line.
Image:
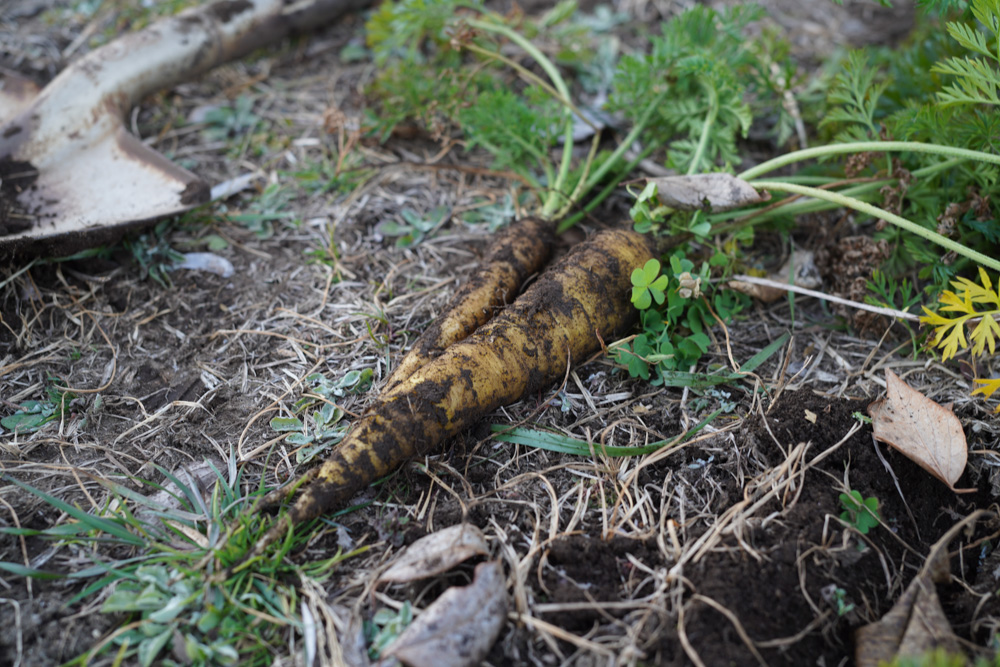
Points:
563	315
521	250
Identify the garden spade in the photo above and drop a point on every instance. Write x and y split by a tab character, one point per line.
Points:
71	175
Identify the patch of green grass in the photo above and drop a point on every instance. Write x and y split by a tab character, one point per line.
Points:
183	590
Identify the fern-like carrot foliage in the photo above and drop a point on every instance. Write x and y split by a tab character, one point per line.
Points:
970	301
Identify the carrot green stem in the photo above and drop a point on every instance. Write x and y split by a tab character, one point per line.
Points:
551	203
876	212
863	147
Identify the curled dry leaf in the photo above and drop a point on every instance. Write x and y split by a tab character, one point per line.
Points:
924	431
706	192
460	627
436	553
916	623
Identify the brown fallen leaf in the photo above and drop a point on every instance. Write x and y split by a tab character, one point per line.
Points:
916	623
706	192
799	269
436	553
924	431
459	628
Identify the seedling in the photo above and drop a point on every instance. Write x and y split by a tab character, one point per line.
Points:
861	513
268	208
324	427
385	626
231	122
414	226
33	415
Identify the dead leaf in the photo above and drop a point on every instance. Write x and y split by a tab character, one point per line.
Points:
706	192
437	553
916	623
924	431
799	269
459	628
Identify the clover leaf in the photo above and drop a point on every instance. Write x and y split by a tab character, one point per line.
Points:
648	285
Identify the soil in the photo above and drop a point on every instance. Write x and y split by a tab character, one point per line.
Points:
727	549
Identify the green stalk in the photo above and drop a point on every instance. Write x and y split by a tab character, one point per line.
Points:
551	204
863	147
706	128
624	144
812	206
608	189
849	202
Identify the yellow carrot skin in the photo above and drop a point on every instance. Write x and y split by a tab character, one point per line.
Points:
521	250
560	319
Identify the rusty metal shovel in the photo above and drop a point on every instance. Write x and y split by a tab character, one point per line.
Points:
70	174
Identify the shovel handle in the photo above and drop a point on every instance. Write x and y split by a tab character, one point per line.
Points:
88	99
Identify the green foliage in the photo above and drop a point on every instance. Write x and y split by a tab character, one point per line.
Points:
701	71
855	98
673	334
187	595
268	207
648	285
230	122
862	513
840	599
168	602
153	253
941	89
978	79
322	428
445	67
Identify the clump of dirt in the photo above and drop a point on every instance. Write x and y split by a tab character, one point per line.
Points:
798	581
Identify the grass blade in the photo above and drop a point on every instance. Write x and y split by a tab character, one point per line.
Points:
94	522
556	442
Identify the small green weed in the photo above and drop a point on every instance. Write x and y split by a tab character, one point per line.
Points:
386	625
414	226
861	513
673	332
269	207
33	415
324	427
840	599
230	122
154	254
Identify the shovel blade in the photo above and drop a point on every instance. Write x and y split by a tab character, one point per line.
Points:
76	199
